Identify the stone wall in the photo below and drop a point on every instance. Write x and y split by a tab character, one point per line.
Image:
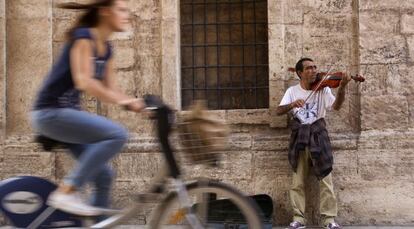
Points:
2	69
385	148
29	50
372	135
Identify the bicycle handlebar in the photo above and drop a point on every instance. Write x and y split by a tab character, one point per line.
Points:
164	117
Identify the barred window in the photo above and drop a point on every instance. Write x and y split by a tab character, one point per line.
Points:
224	53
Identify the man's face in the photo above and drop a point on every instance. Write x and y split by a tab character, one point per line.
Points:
309	71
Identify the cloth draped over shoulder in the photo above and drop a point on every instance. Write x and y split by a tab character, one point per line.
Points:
315	137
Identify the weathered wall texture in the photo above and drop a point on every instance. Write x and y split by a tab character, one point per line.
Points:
2	69
29	49
373	135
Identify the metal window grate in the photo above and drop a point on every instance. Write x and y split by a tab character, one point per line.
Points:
224	53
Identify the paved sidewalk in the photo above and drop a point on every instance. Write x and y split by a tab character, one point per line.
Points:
345	227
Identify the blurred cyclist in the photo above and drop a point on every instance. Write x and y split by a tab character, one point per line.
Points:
85	66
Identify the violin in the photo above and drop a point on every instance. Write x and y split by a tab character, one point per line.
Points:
332	80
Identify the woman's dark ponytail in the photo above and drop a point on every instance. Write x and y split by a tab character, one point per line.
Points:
90	18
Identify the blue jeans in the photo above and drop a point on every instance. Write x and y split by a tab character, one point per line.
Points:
93	141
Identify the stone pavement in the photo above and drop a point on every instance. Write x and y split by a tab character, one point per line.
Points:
345	227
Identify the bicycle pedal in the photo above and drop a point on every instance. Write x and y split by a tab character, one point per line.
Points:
107	211
148	197
101	211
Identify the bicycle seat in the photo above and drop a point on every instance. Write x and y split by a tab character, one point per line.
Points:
49	144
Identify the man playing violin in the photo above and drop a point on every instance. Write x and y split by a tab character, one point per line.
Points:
309	147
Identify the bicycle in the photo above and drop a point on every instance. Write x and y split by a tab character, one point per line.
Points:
187	205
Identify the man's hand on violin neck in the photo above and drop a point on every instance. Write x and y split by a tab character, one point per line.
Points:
345	80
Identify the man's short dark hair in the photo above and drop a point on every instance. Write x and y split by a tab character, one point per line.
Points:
299	65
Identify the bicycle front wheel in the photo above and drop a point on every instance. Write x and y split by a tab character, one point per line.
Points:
213	205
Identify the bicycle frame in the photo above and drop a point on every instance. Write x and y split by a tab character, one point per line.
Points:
164	117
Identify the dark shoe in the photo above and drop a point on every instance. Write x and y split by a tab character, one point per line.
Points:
296	225
333	226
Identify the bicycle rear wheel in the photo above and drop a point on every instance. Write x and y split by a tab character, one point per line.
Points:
211	202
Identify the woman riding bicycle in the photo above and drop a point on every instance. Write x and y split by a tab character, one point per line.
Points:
85	66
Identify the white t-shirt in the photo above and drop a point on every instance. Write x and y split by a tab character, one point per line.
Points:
314	108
